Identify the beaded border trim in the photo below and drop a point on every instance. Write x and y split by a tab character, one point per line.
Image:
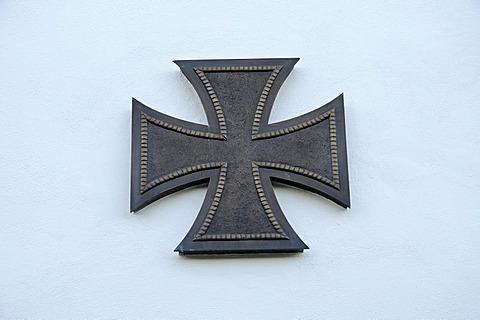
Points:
334	149
236	68
182	172
143	152
296	127
189	132
264	201
216	201
263	99
299	170
241	236
214	98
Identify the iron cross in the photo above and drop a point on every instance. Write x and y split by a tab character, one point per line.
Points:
239	154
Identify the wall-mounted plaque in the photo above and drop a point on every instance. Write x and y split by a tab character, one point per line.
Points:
239	154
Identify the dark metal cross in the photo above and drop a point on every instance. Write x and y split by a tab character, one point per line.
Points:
239	154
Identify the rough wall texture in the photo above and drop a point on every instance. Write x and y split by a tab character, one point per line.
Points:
408	248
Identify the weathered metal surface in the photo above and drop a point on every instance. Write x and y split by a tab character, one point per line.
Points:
239	154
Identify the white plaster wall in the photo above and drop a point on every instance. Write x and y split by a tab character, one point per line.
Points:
408	247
